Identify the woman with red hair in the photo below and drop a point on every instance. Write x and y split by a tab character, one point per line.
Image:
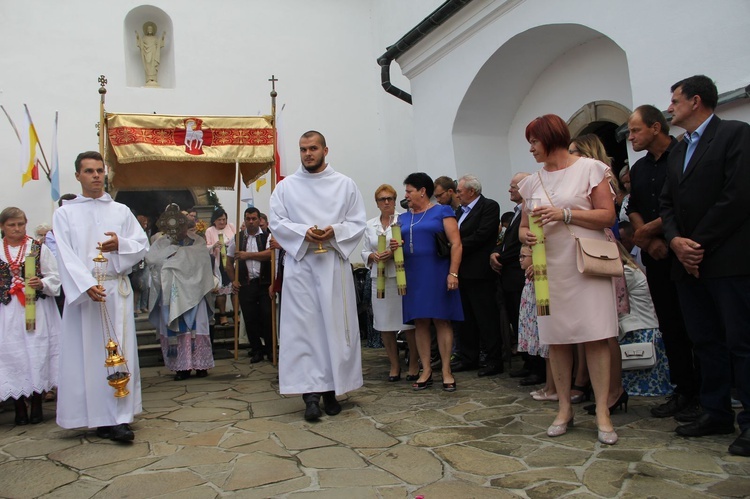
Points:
574	199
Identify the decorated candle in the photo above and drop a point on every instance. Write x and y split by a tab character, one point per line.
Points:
381	267
29	272
398	259
539	256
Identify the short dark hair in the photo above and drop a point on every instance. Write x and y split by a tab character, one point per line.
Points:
218	213
550	130
313	133
419	180
446	183
507	217
87	155
65	197
650	114
252	209
263	216
699	85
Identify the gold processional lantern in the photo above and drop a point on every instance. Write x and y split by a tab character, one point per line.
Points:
118	374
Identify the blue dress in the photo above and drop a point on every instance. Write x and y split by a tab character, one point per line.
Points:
427	295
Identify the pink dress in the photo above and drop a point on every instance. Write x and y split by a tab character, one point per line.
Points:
582	308
212	237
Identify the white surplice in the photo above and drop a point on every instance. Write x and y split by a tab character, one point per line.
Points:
319	330
29	359
84	397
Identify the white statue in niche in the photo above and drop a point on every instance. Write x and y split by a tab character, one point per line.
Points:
150	47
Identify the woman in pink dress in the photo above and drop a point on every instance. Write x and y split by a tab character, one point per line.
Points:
217	240
572	195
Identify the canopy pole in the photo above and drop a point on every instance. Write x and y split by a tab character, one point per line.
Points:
274	312
235	263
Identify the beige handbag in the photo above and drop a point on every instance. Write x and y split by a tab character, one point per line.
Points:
596	257
593	256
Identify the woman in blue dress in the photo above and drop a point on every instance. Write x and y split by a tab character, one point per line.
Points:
431	281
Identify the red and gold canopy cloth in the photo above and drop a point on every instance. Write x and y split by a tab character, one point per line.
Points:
160	151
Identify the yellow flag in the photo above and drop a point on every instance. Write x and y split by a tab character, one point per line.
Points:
29	142
259	183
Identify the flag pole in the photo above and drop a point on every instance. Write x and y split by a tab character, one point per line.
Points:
236	264
102	125
11	122
274	322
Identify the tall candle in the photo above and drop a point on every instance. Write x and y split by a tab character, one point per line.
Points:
398	259
30	308
381	267
539	256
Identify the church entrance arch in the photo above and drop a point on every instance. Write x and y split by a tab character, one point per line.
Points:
603	118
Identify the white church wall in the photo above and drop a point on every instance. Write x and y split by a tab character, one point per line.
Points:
323	53
662	42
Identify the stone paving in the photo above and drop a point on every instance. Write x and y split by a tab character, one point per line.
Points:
232	435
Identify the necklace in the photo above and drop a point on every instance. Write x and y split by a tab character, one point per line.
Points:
411	225
15	263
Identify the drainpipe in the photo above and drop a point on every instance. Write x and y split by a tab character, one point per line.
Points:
438	17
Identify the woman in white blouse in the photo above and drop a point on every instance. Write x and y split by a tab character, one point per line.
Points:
386	311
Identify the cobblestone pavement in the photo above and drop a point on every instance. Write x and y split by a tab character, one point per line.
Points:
232	435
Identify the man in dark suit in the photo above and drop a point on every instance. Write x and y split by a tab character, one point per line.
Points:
504	261
478	223
254	270
706	219
649	131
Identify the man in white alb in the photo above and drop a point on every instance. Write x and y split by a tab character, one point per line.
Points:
316	208
81	224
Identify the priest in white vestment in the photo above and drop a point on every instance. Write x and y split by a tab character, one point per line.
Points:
85	399
319	331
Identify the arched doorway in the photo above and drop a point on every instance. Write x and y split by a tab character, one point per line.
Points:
603	118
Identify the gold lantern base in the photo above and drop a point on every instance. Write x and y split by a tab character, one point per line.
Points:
118	381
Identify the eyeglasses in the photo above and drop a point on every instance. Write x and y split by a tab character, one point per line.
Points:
389	199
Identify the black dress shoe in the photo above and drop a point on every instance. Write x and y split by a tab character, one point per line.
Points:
675	403
703	426
257	357
741	445
520	373
118	433
201	373
312	411
121	433
330	405
181	375
462	366
689	414
532	379
490	370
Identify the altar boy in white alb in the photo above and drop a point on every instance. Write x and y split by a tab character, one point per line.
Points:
319	331
84	397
